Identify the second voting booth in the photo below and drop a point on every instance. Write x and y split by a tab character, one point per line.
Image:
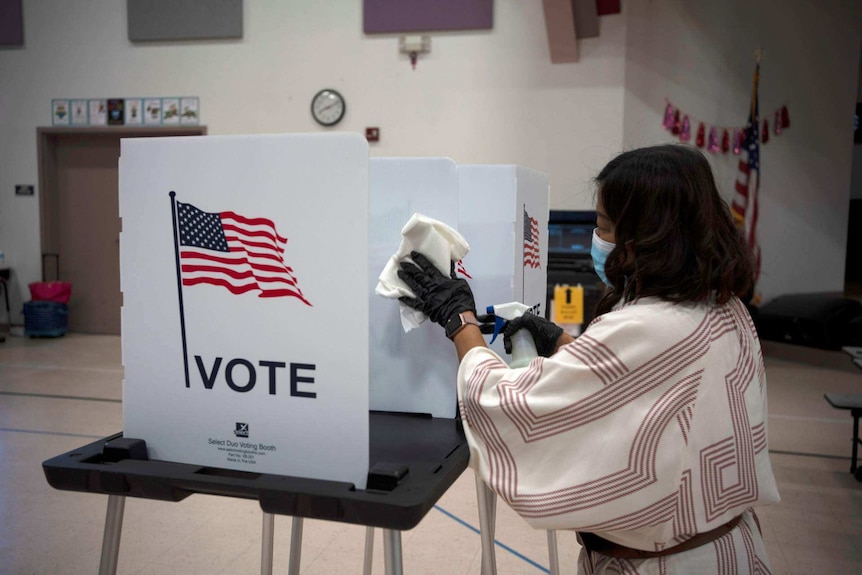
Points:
251	335
502	212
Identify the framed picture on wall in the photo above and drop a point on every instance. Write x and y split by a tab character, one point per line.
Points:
134	111
98	111
116	117
189	111
80	115
170	111
153	111
60	112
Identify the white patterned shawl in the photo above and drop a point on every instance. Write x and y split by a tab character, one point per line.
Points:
648	428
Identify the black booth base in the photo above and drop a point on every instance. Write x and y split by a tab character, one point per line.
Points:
414	460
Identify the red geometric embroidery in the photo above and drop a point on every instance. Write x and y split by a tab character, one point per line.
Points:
639	472
684	520
748	541
725	556
684	421
603	362
727	469
758	436
619	392
654	514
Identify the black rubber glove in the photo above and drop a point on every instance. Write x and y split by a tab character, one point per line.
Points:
437	296
545	333
487	323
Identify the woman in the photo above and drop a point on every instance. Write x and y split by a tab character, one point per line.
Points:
646	434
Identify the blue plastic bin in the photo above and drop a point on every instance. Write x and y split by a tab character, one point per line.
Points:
45	319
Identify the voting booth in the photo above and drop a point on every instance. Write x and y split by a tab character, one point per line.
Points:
243	263
258	361
503	213
411	372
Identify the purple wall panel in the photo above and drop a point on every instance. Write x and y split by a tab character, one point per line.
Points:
11	23
405	16
606	7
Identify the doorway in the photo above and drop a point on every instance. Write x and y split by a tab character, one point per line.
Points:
80	217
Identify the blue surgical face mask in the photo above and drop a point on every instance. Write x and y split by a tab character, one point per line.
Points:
600	251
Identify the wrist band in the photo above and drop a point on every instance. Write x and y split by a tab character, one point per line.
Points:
459	322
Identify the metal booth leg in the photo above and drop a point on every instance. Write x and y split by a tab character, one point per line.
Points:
392	552
111	537
295	546
369	550
487	501
553	556
266	543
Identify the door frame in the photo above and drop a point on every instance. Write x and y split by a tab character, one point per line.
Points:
51	140
47	141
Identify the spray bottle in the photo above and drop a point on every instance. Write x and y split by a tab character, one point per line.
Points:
523	346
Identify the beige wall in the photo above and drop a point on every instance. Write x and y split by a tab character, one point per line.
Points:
486	96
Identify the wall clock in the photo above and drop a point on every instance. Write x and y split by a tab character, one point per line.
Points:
328	107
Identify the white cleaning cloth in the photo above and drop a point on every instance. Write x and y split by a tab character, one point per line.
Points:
441	244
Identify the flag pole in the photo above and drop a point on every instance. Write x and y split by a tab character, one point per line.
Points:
180	286
523	267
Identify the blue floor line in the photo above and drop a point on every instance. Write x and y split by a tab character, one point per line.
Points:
39	432
52	396
502	545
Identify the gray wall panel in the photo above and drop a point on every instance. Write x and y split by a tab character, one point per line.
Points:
11	23
403	16
161	20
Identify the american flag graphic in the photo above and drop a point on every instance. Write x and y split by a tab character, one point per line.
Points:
744	205
531	242
237	253
459	268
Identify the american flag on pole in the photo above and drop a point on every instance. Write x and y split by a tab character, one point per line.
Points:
744	205
237	253
531	242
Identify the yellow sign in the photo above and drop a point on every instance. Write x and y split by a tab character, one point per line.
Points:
568	304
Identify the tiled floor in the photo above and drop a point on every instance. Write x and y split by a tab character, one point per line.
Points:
58	394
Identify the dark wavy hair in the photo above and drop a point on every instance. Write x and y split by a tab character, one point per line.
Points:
675	237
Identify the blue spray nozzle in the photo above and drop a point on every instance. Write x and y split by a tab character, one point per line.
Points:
499	322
